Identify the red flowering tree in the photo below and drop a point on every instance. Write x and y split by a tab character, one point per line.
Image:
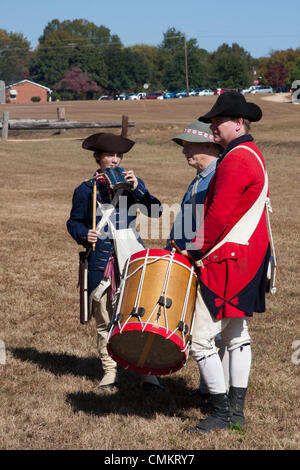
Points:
277	75
77	84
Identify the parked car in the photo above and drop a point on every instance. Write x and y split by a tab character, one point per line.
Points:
181	94
141	95
169	95
105	97
246	90
120	97
132	96
205	92
261	89
154	95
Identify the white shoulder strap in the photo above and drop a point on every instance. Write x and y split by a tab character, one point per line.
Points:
244	228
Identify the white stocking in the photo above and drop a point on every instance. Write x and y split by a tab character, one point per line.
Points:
239	366
211	371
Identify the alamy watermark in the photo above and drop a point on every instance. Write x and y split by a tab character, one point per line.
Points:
160	221
2	353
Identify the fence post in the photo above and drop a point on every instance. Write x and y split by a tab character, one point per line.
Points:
61	116
5	125
124	126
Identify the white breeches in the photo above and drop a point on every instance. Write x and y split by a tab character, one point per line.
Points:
234	331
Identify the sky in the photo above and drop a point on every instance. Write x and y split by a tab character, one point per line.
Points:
259	26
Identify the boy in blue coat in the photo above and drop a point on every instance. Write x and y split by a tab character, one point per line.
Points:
103	272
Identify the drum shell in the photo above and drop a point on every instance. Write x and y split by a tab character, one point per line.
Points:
161	322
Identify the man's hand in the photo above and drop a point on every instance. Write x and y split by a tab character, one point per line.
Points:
187	254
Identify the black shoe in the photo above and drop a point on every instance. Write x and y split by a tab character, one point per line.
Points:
220	417
237	402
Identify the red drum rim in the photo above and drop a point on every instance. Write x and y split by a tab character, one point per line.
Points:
159	330
158	253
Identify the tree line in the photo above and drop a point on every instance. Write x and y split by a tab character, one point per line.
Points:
80	60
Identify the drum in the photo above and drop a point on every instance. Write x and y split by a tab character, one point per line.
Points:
116	178
151	329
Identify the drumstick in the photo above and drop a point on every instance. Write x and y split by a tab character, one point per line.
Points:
94	209
174	245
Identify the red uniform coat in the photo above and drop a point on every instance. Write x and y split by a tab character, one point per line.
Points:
233	277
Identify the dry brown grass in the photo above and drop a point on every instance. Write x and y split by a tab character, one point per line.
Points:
48	385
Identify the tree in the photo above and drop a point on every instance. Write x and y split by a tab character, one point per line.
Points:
78	83
14	57
295	70
127	70
277	75
231	67
154	63
68	44
174	73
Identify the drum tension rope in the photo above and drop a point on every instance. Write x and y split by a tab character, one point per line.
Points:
163	302
115	321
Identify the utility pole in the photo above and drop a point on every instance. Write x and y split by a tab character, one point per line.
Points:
186	67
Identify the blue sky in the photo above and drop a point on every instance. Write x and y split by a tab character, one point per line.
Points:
259	26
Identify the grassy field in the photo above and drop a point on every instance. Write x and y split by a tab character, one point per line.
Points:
48	382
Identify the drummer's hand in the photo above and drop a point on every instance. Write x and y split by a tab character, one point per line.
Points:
187	254
131	178
92	236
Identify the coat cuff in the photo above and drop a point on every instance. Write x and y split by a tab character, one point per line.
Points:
140	190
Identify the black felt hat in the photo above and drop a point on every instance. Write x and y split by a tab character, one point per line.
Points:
106	142
233	104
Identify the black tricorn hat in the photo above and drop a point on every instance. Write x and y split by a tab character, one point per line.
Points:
107	142
233	104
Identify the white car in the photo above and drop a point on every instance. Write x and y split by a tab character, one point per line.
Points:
206	92
261	89
132	96
246	90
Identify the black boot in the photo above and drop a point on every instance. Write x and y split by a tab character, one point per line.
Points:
237	401
220	417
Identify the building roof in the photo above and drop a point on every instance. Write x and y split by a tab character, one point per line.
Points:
29	81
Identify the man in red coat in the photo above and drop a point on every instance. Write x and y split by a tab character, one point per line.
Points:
232	252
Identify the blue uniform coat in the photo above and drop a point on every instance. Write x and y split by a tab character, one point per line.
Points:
81	218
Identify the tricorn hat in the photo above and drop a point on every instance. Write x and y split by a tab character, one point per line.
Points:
233	104
106	142
196	131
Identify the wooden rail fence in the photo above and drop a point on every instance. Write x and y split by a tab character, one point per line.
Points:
60	124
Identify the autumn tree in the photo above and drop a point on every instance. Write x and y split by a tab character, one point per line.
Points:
77	84
277	75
